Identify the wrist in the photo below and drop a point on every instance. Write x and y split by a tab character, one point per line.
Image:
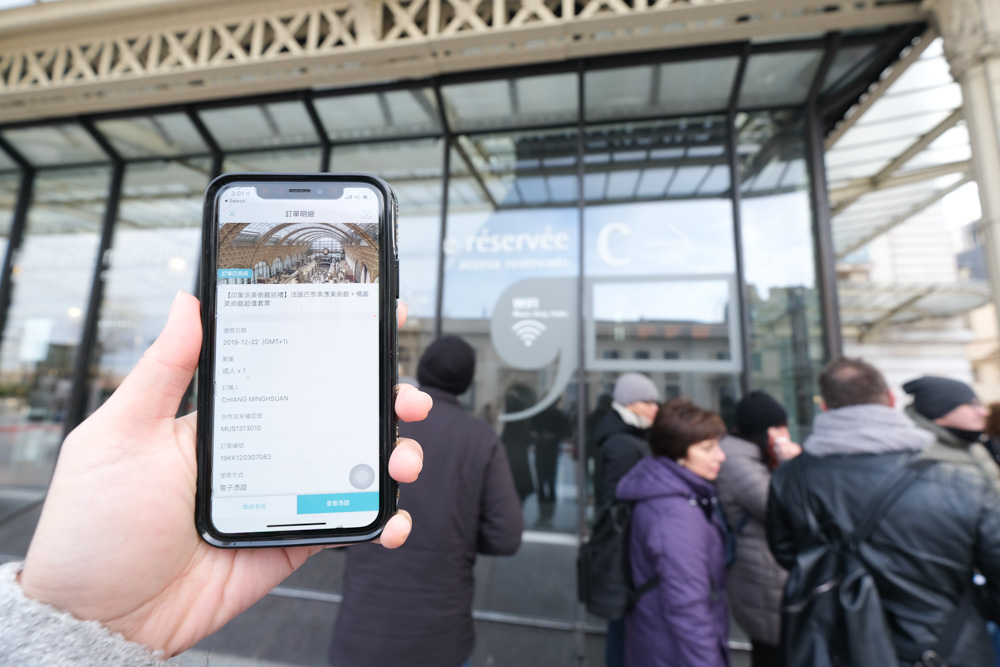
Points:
37	633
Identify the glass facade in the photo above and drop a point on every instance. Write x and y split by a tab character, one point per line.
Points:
572	225
50	286
786	334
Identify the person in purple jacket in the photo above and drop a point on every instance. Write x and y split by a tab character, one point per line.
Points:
676	538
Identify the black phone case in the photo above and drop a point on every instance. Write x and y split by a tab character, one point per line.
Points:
388	352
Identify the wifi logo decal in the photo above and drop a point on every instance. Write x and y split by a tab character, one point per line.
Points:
528	331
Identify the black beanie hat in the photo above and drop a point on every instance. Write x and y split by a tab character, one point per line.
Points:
757	411
935	397
447	364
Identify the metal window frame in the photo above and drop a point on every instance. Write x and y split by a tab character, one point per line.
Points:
16	237
814	113
822	228
76	407
736	197
731	366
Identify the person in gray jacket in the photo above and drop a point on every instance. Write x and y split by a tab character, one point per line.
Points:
116	573
755	581
465	503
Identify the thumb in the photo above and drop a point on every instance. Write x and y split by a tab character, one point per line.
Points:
155	387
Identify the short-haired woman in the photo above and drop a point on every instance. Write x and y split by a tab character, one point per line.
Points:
677	541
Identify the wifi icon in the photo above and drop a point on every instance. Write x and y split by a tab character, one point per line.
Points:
528	331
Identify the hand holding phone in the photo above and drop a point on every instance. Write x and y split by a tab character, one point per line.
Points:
298	361
115	542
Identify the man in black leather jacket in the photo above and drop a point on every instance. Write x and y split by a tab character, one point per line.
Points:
924	553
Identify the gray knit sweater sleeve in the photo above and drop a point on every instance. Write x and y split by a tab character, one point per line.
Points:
34	633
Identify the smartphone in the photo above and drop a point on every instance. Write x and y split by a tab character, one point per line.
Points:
297	374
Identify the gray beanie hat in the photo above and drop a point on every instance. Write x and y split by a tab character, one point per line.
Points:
633	387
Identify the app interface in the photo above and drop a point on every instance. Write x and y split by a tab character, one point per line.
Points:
296	423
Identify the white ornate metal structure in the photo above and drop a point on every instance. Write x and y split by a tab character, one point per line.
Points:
68	58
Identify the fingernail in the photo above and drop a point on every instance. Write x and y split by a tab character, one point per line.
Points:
415	460
173	304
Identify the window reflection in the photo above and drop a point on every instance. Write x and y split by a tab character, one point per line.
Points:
10	184
695	86
395	113
686	320
154	254
786	330
51	281
530	100
515	170
513	222
52	145
160	134
659	266
414	170
675	159
302	161
261	125
848	61
6	163
774	79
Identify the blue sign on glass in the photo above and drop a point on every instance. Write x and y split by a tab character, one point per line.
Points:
323	503
235	273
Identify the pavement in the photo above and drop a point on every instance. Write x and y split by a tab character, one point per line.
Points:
526	612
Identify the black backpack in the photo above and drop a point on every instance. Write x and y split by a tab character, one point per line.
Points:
832	614
603	574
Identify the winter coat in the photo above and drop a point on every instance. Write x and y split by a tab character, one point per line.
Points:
676	536
620	446
755	581
947	442
413	605
923	553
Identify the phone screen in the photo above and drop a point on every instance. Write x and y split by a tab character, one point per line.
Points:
295	419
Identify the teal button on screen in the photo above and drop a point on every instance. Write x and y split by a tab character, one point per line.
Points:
323	503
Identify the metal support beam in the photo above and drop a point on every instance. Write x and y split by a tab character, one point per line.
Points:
863	186
826	265
887	316
745	342
446	180
476	176
14	240
878	231
582	408
878	89
325	151
208	139
877	181
76	409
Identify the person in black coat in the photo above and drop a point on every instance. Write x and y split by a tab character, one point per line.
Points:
413	606
621	438
922	555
